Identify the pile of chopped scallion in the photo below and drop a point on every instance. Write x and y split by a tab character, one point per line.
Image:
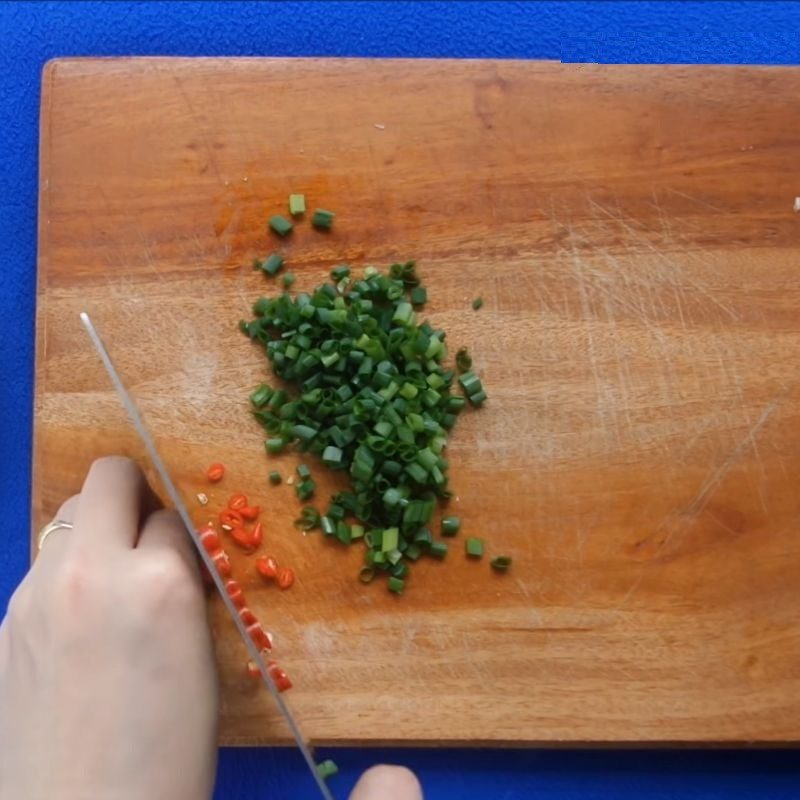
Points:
373	399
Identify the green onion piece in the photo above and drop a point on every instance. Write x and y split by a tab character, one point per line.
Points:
390	539
340	272
304	432
396	585
328	526
463	360
275	445
303	471
343	533
332	456
501	563
309	519
424	538
478	398
470	382
474	547
305	489
322	219
419	296
399	570
450	526
271	264
280	225
288	280
261	395
356	531
438	549
413	552
477	303
366	574
297	204
327	768
275	478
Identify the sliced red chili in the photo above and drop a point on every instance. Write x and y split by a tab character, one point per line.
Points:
250	513
215	472
259	636
237	501
222	562
235	593
267	567
233	519
242	538
279	677
285	577
247	616
209	539
257	535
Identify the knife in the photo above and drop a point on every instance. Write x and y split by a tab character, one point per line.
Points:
180	507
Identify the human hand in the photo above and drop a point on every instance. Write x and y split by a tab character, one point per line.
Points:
108	686
387	783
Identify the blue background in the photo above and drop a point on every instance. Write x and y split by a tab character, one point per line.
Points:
31	33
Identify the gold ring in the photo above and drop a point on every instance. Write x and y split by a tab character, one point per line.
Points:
55	525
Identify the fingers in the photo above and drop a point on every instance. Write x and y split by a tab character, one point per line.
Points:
387	783
58	540
68	509
110	507
164	531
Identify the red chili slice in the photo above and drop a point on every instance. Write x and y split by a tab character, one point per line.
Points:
267	567
285	577
235	593
237	502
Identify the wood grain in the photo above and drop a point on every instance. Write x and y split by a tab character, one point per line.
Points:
631	231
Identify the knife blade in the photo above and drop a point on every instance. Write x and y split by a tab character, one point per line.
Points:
180	507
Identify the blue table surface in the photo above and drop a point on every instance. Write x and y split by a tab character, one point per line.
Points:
655	32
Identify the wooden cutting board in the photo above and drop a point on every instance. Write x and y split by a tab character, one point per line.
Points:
632	232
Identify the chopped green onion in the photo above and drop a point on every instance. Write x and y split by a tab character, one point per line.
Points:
260	397
327	768
332	456
450	526
274	477
328	526
438	549
470	383
396	585
305	489
280	225
419	296
368	393
463	360
501	563
297	204
390	539
288	280
366	574
477	303
340	272
478	398
309	519
275	445
272	264
322	219
474	547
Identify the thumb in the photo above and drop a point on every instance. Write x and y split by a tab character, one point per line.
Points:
387	783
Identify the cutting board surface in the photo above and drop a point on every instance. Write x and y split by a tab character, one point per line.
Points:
631	230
